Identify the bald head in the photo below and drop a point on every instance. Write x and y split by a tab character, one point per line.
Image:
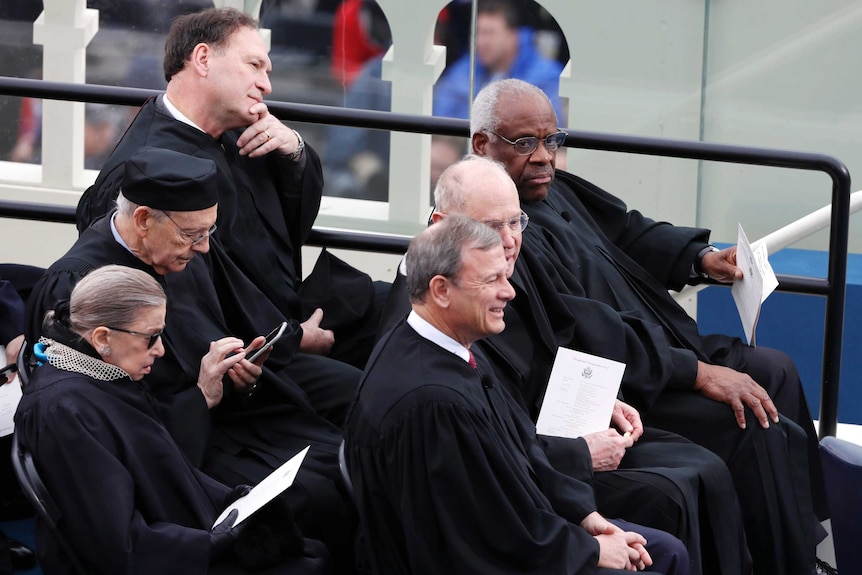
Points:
479	188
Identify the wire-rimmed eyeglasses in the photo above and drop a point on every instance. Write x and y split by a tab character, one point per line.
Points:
189	236
516	224
153	337
529	144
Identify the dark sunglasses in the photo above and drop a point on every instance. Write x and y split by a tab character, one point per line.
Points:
153	337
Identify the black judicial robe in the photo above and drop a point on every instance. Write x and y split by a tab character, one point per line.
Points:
130	501
448	475
267	207
664	481
592	247
690	489
243	438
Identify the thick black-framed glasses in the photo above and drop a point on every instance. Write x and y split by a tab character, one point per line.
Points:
153	337
529	144
191	237
516	224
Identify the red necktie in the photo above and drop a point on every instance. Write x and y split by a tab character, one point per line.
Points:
472	361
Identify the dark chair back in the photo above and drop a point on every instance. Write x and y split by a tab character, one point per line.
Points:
25	363
842	471
345	475
42	502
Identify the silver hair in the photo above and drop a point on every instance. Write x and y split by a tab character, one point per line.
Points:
484	116
438	250
450	194
112	295
126	208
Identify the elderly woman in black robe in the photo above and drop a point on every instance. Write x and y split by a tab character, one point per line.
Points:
129	499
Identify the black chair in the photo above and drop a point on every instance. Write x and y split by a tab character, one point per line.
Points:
26	364
842	471
42	502
345	475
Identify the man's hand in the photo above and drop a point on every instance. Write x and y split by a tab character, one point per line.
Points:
266	135
627	420
224	535
607	448
737	389
315	339
215	364
244	374
721	265
618	549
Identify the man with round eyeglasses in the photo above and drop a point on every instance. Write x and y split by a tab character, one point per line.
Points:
193	238
526	145
714	390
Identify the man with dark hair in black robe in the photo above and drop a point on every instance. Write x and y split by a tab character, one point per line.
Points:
714	390
447	470
240	430
270	186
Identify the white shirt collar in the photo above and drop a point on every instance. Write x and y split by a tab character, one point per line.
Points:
177	114
117	235
434	335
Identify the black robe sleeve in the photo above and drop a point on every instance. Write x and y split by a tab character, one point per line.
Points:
184	410
463	510
653	361
97	490
664	250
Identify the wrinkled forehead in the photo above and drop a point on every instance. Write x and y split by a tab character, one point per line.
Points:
491	195
527	115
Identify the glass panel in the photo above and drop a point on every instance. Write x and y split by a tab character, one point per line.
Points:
20	126
783	79
636	70
512	40
355	160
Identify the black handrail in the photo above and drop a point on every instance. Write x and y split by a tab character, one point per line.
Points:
833	286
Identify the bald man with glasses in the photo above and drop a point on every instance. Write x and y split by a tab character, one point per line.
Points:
643	475
615	266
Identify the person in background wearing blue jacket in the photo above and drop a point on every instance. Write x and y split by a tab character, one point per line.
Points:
503	50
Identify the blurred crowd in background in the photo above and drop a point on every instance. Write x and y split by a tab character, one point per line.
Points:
323	52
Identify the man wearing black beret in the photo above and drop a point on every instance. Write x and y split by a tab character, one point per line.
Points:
237	424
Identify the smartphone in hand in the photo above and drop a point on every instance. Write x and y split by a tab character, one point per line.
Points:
271	338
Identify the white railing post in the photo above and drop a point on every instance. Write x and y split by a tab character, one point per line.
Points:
250	7
412	64
64	29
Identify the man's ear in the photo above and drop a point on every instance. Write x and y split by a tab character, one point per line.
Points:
199	59
437	217
480	143
439	289
143	218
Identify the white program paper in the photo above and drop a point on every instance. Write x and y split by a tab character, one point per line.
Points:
580	396
10	396
265	491
757	283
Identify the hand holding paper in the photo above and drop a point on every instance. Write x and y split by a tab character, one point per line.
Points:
757	283
265	491
581	394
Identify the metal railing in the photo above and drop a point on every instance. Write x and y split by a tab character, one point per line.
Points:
833	287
